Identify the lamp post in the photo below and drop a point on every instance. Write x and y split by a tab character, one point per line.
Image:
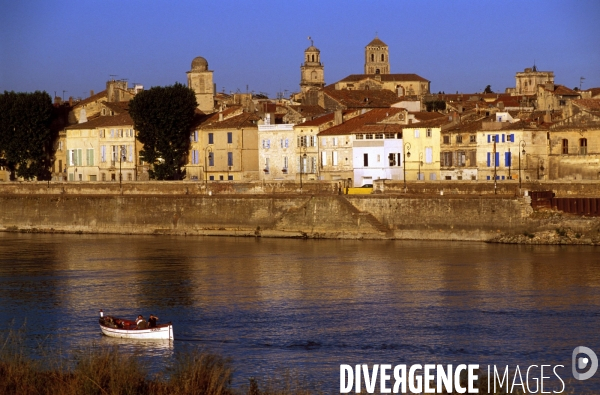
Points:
509	163
207	151
122	156
522	144
404	155
302	159
420	164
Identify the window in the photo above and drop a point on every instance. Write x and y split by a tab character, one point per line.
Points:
493	160
103	153
379	136
458	138
389	135
285	163
360	136
366	160
287	143
472	138
417	133
335	141
75	157
112	133
230	177
230	159
323	141
565	146
323	159
428	133
211	159
195	157
103	176
461	159
266	143
369	136
428	155
89	156
446	139
392	159
195	136
229	137
335	158
129	177
211	139
507	159
372	57
582	146
446	158
382	57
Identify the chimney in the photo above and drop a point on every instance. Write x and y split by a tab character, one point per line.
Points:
71	101
91	93
220	116
338	118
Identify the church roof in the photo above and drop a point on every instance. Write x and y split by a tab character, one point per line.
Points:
376	43
363	98
312	48
385	77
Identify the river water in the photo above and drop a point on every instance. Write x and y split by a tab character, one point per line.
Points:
300	308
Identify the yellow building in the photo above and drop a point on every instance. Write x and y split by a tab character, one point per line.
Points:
421	149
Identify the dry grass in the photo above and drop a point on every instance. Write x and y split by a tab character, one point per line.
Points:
106	371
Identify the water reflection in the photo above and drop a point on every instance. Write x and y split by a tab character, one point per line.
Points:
309	305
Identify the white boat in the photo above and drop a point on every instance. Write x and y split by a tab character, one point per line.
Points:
127	329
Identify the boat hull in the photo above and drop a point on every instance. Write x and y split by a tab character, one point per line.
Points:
162	333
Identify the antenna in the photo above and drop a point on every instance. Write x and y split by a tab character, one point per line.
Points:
581	81
64	95
112	76
311	41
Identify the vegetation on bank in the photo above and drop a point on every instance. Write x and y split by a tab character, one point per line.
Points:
105	370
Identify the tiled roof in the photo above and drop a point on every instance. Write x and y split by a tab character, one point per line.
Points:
364	98
430	123
376	43
243	120
308	111
385	77
91	99
380	128
594	91
426	116
353	124
105	121
563	90
118	107
324	119
207	120
588	104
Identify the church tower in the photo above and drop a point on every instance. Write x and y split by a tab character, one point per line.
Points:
200	80
377	59
312	71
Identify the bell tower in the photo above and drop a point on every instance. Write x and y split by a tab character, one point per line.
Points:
377	60
200	80
312	71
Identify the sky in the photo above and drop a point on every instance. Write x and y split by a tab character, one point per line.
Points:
69	48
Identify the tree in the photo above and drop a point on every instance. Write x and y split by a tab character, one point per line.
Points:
488	89
25	134
163	118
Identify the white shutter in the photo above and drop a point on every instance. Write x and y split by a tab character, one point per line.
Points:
323	158
335	158
428	154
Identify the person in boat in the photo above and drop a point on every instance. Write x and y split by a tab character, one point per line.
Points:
152	321
141	322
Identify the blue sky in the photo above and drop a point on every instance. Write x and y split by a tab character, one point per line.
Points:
458	45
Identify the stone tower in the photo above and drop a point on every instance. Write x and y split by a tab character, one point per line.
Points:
200	80
528	80
312	71
377	59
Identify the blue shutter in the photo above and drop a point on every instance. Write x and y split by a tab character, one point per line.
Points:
488	159
489	141
503	138
498	159
507	159
512	138
497	138
488	177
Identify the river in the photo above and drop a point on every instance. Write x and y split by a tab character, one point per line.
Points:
300	308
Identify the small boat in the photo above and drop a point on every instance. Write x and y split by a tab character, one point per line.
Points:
127	329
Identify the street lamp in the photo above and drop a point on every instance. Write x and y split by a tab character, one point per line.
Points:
302	159
420	164
522	145
207	151
404	155
122	156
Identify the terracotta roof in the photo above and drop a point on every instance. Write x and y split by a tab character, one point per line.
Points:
563	90
376	43
208	119
91	99
430	123
324	119
380	128
384	77
105	121
243	120
118	107
353	124
309	111
594	91
364	98
426	116
588	104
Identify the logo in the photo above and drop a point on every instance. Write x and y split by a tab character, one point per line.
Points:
580	363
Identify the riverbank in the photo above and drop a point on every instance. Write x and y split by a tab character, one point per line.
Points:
496	218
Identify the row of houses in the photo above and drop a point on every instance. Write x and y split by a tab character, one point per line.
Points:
356	144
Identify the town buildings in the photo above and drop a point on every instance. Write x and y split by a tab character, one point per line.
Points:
364	127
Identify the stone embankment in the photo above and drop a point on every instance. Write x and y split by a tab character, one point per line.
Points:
263	210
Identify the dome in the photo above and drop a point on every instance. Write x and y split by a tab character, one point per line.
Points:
312	48
199	64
